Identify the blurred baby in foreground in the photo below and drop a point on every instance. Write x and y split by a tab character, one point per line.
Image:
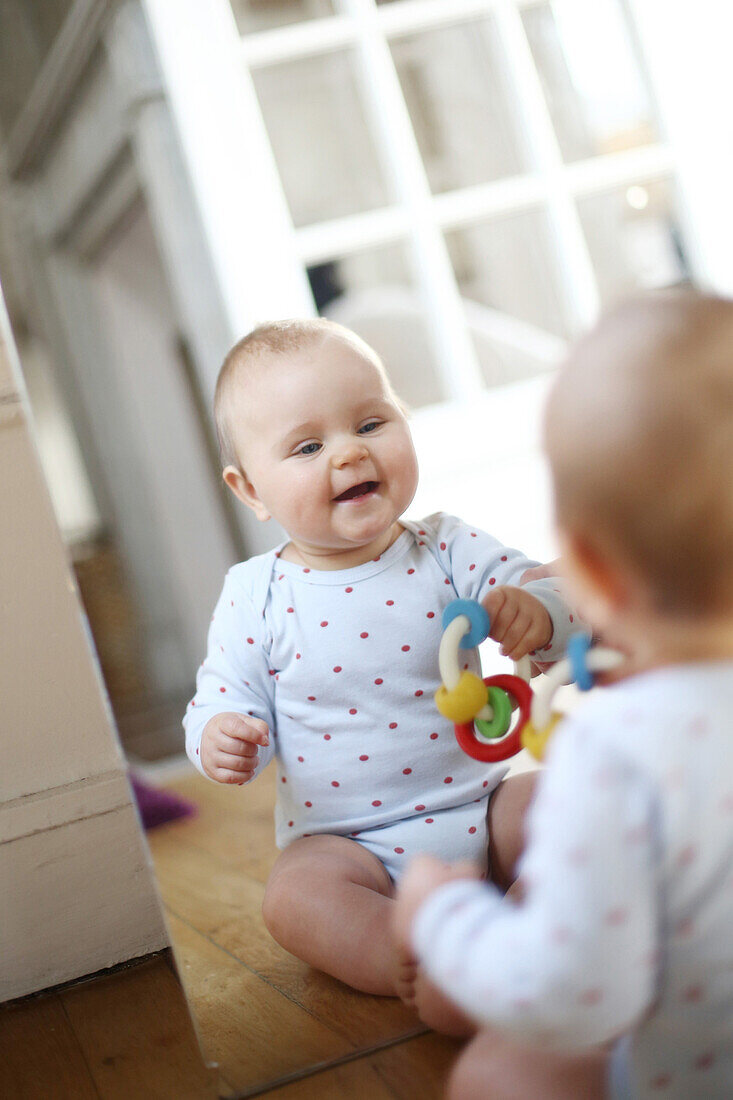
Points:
621	949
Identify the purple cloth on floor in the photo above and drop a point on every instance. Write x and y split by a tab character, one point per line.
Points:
157	807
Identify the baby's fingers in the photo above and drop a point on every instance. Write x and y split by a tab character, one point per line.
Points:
515	639
236	746
233	769
502	612
253	730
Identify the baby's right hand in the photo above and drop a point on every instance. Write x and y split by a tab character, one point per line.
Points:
229	747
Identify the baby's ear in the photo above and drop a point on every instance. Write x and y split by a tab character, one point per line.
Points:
604	587
245	491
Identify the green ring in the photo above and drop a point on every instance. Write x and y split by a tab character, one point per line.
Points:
501	705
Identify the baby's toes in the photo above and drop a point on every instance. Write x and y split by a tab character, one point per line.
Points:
405	976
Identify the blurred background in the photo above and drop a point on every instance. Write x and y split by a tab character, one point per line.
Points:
466	183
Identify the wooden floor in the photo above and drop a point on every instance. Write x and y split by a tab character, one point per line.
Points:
124	1035
271	1023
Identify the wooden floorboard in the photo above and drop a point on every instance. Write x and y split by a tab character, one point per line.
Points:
404	1071
40	1055
137	1037
122	1035
263	1016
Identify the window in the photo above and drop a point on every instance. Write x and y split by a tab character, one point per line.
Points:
466	183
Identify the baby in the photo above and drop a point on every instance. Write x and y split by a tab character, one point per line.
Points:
324	653
625	931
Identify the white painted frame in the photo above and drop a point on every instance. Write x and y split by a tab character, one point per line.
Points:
219	103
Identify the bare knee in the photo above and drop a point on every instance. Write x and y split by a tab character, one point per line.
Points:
493	1068
307	871
479	1072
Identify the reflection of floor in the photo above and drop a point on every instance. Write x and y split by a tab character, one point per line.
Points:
270	1022
126	1035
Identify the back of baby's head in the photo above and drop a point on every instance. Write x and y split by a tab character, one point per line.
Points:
639	433
262	346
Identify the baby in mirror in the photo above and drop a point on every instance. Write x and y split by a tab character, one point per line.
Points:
323	653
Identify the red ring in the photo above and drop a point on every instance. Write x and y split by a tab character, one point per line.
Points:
510	745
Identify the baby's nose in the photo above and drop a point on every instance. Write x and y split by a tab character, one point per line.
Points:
348	453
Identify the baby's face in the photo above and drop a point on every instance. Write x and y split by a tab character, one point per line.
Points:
326	449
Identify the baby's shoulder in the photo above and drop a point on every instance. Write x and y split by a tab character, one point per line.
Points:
437	528
251	579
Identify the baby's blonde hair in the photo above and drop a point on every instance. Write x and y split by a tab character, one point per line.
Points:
639	434
270	340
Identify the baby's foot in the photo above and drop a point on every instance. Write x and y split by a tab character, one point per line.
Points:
405	975
438	1012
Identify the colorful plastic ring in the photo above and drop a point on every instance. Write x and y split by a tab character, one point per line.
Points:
477	617
497	726
577	653
494	751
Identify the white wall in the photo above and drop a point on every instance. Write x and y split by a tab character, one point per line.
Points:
76	885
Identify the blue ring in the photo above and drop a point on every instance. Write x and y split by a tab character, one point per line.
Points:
577	653
476	615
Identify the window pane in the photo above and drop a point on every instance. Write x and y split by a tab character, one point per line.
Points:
506	273
593	84
461	105
261	15
373	293
634	239
323	147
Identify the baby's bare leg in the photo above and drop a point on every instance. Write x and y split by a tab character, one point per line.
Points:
328	901
493	1068
508	806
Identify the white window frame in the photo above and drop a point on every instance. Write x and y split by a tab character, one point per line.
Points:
207	69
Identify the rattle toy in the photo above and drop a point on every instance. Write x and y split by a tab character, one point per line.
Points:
481	708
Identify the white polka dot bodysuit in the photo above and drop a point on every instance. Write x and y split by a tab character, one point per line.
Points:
343	666
626	927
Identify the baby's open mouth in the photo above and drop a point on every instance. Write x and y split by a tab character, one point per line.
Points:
357	491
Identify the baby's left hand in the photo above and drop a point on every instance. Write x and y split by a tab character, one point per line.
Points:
519	622
424	875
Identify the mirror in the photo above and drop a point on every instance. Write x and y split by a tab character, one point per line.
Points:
123	301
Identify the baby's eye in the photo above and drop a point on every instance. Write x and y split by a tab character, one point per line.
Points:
372	424
309	449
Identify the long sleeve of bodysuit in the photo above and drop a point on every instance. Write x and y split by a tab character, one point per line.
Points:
235	676
573	964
